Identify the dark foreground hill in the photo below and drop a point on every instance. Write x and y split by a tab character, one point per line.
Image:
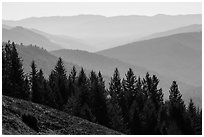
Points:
49	121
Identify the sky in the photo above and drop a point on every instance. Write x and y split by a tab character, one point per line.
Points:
21	10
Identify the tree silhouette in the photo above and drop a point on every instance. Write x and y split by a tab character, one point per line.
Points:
98	98
115	111
13	74
177	110
132	105
59	84
35	86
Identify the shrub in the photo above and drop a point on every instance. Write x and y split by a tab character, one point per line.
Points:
31	121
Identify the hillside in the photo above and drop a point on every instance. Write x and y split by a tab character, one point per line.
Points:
27	37
106	65
49	121
185	29
176	56
43	59
93	61
66	42
46	61
106	32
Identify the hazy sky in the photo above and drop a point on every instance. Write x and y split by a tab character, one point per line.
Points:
15	11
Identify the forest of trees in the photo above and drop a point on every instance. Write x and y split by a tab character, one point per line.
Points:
132	105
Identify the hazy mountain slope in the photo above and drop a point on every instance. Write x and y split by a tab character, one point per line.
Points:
49	121
185	29
66	42
46	61
177	56
107	65
27	37
134	38
93	61
43	59
102	32
6	26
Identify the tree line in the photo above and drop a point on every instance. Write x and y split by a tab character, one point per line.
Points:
131	105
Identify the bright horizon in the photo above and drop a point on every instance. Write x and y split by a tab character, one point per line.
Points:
108	9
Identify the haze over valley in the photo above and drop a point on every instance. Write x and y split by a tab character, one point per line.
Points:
102	68
170	48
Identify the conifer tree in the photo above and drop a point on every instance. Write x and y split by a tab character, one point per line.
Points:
150	126
194	117
115	111
97	90
73	74
177	110
27	89
17	75
129	87
83	87
13	74
176	102
51	88
152	92
115	87
5	70
156	94
175	95
72	82
35	89
140	95
129	94
192	109
59	84
83	97
42	86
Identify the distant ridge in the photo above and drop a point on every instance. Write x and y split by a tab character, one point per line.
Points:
106	65
177	56
185	29
106	32
27	37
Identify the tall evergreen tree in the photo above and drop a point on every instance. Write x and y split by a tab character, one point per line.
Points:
175	95
84	97
51	89
177	110
128	97
115	87
152	92
154	96
72	82
13	76
83	87
27	89
192	110
42	86
98	98
150	119
73	74
17	74
194	116
59	84
176	102
35	89
115	111
5	70
129	87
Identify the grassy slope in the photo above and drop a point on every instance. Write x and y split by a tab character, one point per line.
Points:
50	121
